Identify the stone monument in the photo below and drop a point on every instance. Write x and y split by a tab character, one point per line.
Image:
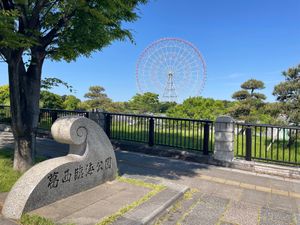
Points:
91	161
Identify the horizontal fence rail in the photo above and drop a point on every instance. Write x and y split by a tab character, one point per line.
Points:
268	143
174	132
46	117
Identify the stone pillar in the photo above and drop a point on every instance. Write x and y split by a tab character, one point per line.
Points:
224	139
98	117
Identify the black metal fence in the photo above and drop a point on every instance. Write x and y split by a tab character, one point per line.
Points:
46	117
5	116
271	143
174	132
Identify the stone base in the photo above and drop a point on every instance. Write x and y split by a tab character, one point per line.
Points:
226	156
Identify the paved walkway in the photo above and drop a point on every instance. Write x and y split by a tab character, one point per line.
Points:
220	195
90	207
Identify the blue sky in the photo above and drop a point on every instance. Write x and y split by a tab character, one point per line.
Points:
238	39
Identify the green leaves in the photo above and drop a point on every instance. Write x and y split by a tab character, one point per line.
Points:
144	103
199	108
9	35
249	103
241	95
50	100
66	29
4	95
288	92
252	85
50	82
97	99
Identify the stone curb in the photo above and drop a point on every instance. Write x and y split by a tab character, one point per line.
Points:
143	214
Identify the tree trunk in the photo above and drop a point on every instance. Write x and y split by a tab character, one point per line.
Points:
24	103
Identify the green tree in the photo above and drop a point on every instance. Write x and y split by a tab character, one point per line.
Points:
60	30
198	108
97	98
252	85
288	93
50	100
4	95
49	82
165	106
70	102
144	103
249	105
118	107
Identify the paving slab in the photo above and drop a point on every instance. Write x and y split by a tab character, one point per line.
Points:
270	216
89	207
207	212
177	211
283	202
242	213
297	218
255	197
154	207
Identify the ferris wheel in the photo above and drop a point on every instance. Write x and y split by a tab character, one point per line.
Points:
171	67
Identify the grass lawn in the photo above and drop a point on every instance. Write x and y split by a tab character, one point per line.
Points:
263	148
7	175
181	138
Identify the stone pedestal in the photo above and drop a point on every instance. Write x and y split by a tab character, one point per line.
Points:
224	139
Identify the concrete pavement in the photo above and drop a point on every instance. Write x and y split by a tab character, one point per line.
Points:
221	195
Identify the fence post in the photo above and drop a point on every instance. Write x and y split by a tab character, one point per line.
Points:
248	143
224	139
107	124
53	117
206	139
151	131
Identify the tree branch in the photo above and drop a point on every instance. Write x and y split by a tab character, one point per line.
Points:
47	39
2	57
39	5
5	54
7	5
48	10
23	17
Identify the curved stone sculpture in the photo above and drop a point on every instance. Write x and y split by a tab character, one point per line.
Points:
91	161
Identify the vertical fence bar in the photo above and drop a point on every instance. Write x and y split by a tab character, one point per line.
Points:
237	138
248	143
53	117
296	150
107	124
206	139
211	136
151	131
